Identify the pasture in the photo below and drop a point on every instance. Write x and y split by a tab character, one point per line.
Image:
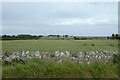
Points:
40	68
60	45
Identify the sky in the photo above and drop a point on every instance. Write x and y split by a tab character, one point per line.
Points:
59	0
61	18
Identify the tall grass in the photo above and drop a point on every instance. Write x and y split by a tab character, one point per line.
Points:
36	68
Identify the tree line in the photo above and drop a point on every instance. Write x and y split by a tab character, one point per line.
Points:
61	37
115	36
20	37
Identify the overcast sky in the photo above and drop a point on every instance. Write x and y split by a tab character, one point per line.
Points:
83	19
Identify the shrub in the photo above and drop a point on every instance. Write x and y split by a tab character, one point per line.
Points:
92	44
111	44
85	44
116	58
118	44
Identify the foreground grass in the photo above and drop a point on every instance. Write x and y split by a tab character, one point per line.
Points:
41	69
60	45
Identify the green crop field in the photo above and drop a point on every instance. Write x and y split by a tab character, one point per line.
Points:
60	45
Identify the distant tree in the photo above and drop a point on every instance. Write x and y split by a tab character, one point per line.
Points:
76	38
24	36
108	37
58	35
6	37
66	36
0	37
116	35
113	36
83	38
40	36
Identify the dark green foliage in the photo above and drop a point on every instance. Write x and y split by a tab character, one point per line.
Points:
115	36
111	44
20	37
116	58
55	37
92	44
85	44
118	44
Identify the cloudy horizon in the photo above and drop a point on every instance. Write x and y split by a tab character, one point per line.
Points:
81	19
